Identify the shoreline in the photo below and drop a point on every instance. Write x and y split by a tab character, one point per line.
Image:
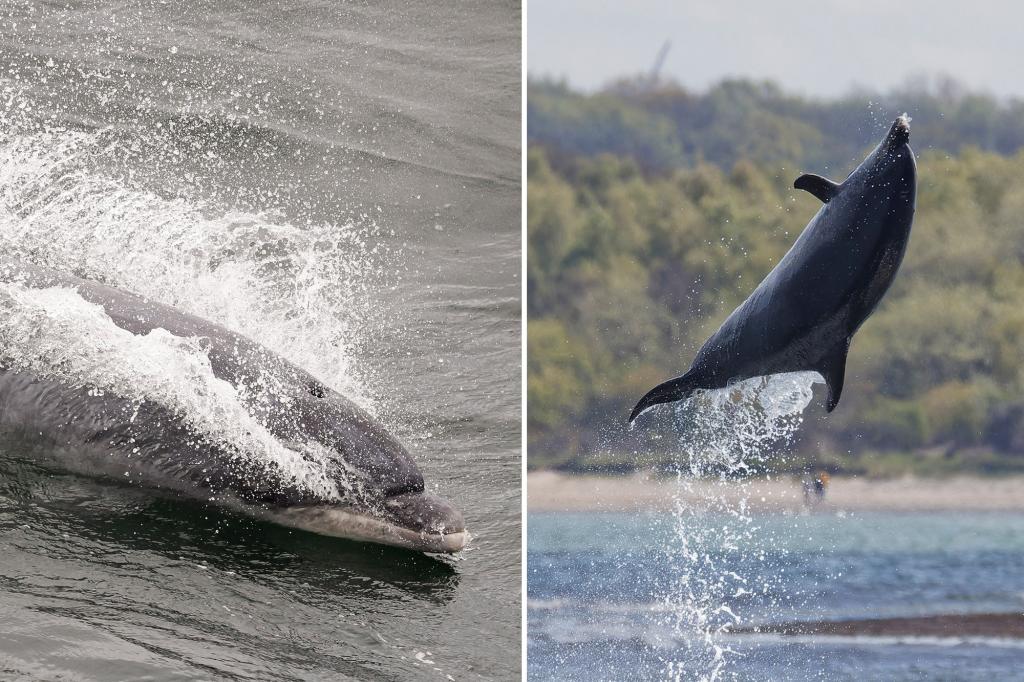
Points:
550	491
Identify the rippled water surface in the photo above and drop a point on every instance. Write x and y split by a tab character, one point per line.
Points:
339	182
597	585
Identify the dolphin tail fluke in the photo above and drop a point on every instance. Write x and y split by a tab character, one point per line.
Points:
670	391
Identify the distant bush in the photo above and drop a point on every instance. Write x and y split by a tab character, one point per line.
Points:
898	424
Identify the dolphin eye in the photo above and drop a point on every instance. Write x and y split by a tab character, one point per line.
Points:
316	389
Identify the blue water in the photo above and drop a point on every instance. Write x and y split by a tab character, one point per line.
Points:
600	586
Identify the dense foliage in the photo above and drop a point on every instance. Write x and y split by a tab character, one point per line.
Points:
667	127
631	268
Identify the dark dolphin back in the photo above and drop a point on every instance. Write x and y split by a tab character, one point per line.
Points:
298	408
81	430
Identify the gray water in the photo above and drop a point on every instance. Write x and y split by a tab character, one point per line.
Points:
341	183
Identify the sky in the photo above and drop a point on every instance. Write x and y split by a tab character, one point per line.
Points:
819	48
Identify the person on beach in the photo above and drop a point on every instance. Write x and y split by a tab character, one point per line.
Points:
820	485
815	487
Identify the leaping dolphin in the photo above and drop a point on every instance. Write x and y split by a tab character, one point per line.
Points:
377	491
803	315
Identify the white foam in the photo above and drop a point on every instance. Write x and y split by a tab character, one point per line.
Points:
55	333
731	429
302	291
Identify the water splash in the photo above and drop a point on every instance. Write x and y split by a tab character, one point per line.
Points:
304	292
725	435
728	431
57	334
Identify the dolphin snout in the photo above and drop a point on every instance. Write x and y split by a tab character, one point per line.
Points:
899	133
419	521
425	513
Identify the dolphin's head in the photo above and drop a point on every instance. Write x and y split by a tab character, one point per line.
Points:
431	519
382	494
886	181
892	162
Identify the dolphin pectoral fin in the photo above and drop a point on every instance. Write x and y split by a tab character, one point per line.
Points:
670	391
833	369
823	188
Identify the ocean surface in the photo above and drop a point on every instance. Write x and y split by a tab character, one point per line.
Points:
340	182
606	601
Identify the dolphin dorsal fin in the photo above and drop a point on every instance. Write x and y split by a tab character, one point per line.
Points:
833	369
823	188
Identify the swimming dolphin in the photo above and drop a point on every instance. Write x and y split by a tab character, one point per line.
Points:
804	314
380	493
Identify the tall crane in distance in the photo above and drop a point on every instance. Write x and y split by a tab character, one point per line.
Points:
654	75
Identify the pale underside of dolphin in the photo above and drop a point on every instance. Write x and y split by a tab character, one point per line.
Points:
803	315
380	490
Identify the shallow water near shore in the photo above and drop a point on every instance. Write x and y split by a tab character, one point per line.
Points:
596	583
340	183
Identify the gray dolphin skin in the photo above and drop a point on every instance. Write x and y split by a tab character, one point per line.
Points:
803	315
102	435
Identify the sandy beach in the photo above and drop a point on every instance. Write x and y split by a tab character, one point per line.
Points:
549	491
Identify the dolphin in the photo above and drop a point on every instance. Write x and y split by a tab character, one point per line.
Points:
376	491
803	315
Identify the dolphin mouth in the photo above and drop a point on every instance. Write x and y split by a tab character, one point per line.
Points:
417	521
425	513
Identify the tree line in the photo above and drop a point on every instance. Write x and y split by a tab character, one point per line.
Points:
665	126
